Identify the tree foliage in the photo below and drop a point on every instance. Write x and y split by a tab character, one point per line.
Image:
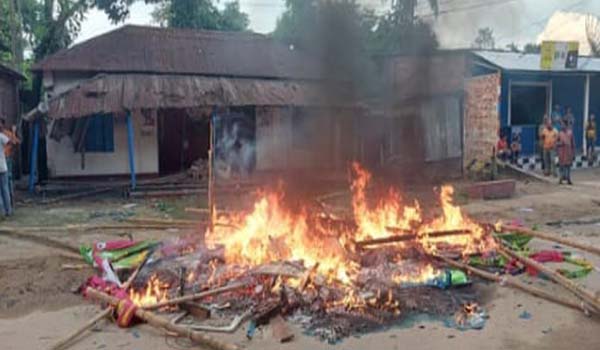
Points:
200	14
485	39
592	30
306	23
532	48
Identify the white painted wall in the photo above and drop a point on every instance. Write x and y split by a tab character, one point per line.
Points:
63	161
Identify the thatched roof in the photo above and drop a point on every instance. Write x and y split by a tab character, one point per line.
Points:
120	92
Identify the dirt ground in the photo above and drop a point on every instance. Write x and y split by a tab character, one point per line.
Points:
38	305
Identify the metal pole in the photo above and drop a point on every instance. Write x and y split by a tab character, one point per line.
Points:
130	144
33	158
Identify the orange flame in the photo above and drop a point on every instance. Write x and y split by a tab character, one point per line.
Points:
389	212
474	239
154	292
271	233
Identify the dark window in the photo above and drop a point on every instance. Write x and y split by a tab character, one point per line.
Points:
528	104
99	136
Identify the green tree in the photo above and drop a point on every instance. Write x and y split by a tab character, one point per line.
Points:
485	39
532	48
305	22
200	14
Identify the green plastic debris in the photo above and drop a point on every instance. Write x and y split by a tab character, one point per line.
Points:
458	278
120	258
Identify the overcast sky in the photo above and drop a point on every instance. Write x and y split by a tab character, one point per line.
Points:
518	21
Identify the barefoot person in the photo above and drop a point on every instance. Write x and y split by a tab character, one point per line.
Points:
566	152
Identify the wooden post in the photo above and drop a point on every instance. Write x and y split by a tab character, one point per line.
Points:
211	182
33	158
131	148
164	323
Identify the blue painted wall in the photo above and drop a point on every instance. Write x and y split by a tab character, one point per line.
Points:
595	102
567	90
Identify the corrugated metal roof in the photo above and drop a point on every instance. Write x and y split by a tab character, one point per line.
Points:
138	49
115	93
531	62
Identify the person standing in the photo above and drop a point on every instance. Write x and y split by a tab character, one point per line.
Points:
515	147
566	152
569	118
5	199
9	151
540	144
556	117
549	137
590	138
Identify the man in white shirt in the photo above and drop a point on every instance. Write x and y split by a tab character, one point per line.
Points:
4	189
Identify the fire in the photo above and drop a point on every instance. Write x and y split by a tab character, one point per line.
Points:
270	232
154	292
421	275
474	238
387	215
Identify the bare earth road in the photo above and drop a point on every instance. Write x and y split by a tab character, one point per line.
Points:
37	307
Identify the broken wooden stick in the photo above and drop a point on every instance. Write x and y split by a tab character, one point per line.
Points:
165	222
48	242
196	296
410	236
515	283
587	296
164	323
102	314
551	237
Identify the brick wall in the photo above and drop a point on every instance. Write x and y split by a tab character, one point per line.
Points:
481	122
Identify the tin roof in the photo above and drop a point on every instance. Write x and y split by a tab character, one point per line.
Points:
115	93
139	49
531	62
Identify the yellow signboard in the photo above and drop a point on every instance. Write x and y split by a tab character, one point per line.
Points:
559	55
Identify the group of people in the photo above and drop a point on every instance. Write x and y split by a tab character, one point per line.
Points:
556	138
504	152
8	142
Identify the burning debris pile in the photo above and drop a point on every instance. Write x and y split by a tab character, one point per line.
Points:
333	276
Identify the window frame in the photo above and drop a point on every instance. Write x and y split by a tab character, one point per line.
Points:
546	84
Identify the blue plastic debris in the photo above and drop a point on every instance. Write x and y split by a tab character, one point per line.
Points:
251	330
525	315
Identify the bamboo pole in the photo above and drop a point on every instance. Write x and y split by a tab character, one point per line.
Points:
196	296
576	289
550	237
167	222
161	322
48	242
101	315
410	237
515	283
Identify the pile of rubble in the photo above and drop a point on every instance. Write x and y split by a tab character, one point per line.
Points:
334	277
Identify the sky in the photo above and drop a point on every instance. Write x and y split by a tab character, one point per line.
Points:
518	21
